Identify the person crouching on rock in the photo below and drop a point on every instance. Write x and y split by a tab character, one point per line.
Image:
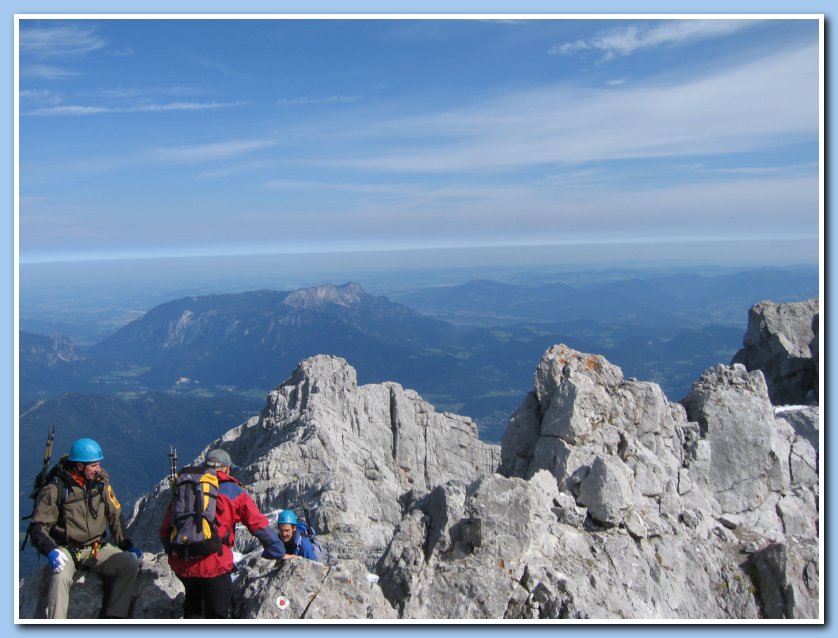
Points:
295	543
73	512
206	576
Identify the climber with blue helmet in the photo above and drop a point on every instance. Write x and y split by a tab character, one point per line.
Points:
85	451
74	511
296	543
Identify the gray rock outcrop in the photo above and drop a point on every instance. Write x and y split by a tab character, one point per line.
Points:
706	483
159	594
782	341
755	458
356	456
496	549
302	589
262	589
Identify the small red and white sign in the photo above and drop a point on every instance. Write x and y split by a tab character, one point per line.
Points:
282	602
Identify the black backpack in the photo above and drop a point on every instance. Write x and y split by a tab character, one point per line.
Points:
194	531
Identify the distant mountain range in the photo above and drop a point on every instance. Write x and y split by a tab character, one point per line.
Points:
477	361
648	299
251	340
48	366
205	363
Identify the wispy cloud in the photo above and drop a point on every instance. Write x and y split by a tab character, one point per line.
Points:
557	209
784	171
316	186
578	179
220	67
70	109
125	92
211	151
238	168
332	99
59	42
46	72
754	106
625	40
40	96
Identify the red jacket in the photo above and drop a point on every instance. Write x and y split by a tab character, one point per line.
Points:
233	506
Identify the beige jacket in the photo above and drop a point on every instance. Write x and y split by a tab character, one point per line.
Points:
85	516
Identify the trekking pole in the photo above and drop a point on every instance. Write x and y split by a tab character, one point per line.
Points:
41	479
172	469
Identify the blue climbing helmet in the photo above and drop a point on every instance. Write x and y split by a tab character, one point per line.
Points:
286	517
86	451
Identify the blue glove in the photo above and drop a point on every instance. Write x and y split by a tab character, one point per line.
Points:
57	560
136	551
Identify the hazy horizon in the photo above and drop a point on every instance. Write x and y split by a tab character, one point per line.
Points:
104	295
206	270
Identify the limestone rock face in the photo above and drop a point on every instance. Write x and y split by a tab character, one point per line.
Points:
616	446
748	456
707	483
607	490
787	577
762	465
782	341
354	456
302	589
495	549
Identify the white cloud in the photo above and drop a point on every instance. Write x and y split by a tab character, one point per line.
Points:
238	168
181	106
625	40
220	67
58	42
754	106
349	187
69	109
40	96
333	99
123	92
211	151
748	203
772	207
139	108
765	171
46	72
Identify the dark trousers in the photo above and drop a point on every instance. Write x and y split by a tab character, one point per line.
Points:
118	575
207	597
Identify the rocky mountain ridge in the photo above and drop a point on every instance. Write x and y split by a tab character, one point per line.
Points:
242	343
605	500
616	295
234	339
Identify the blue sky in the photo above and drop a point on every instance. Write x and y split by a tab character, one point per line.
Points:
159	137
